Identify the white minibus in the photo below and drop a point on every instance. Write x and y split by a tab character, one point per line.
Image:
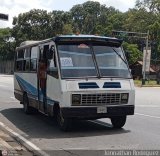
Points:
75	77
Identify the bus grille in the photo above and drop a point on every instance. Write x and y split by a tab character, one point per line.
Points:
101	99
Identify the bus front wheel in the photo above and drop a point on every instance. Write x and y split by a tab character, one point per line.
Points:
64	123
118	121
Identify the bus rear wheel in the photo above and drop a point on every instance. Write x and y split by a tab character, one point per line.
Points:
65	124
118	121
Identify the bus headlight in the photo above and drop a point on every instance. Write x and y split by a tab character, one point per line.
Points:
76	99
124	97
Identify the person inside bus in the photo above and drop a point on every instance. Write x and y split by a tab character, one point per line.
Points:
42	75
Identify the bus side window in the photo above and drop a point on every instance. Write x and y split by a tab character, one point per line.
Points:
19	60
34	55
19	65
20	54
33	65
52	65
51	58
27	61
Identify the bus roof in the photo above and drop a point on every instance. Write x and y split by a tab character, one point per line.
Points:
62	38
88	37
108	40
28	43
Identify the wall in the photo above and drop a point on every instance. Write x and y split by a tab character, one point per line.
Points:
6	67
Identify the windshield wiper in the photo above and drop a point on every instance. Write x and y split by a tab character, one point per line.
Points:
120	56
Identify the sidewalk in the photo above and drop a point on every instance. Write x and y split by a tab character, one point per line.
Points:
10	147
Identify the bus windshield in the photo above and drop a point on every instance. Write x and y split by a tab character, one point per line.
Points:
111	61
91	60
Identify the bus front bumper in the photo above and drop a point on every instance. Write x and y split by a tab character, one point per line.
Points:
91	112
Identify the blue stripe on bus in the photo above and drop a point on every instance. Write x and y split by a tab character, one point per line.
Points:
32	91
26	86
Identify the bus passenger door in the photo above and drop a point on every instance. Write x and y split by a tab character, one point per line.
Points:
42	78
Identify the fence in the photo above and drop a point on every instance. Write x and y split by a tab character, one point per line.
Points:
6	67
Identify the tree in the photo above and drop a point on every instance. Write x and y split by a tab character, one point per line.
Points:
7	45
152	5
59	19
155	39
85	16
32	25
138	20
134	53
91	18
78	17
67	29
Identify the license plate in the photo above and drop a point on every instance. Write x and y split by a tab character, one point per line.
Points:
101	109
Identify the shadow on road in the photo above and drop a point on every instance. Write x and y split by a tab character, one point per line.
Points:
40	126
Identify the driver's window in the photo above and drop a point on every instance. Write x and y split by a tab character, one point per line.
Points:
52	61
51	64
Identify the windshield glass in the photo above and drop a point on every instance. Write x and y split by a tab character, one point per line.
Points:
76	61
92	60
111	61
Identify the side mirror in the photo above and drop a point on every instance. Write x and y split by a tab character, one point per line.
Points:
50	52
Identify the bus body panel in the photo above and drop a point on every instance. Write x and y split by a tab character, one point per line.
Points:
54	92
123	84
60	90
72	87
27	83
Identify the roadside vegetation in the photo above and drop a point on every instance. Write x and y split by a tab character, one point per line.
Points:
87	18
149	83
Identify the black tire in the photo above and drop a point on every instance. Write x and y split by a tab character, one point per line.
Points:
118	121
27	109
65	124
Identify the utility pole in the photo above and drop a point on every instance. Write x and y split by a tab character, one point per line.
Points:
144	63
137	35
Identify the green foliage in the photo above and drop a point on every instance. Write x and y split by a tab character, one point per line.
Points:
67	29
152	5
6	47
138	20
4	32
132	50
32	25
88	18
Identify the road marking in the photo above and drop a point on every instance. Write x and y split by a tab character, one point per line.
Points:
157	117
27	142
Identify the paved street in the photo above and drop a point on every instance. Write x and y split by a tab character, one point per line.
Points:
141	132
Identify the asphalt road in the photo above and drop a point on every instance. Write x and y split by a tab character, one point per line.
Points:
141	132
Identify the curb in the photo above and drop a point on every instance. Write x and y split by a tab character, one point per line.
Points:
33	149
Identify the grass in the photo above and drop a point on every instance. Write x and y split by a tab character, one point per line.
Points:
147	83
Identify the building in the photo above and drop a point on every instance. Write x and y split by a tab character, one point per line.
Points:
136	70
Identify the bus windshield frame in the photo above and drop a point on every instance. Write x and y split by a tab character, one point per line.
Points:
85	59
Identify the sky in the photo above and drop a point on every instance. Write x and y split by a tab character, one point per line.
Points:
14	7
